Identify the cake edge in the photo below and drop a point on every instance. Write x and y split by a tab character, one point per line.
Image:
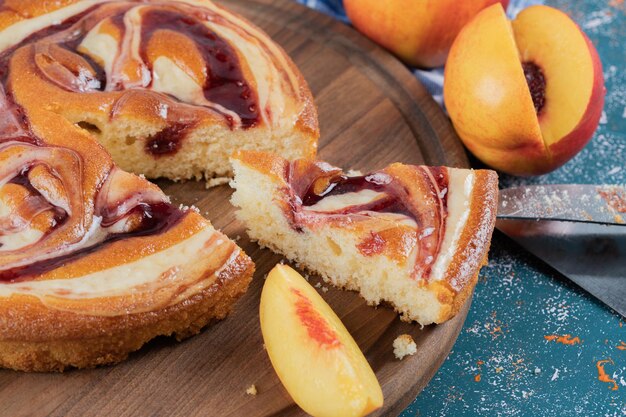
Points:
124	334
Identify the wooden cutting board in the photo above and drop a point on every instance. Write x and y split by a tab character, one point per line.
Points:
372	112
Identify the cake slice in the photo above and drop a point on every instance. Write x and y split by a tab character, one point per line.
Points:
413	236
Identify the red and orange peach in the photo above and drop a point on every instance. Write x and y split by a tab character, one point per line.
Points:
419	32
525	95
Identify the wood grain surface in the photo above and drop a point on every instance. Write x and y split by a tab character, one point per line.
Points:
372	112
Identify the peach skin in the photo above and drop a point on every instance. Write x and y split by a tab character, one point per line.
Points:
419	32
524	96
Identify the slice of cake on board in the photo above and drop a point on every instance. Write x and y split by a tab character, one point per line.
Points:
413	236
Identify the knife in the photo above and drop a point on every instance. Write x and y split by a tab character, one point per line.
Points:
579	230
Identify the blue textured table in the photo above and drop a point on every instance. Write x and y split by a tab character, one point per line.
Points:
502	363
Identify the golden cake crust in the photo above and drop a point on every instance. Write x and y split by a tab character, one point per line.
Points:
94	314
475	240
42	339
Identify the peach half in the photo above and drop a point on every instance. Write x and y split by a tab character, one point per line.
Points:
419	32
316	359
526	95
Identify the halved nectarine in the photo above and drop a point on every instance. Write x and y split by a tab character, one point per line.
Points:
316	359
524	96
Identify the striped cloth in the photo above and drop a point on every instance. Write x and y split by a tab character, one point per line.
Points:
432	79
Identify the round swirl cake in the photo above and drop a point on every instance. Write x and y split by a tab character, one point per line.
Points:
95	261
169	88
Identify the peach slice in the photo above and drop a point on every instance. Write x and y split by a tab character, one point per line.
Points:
524	96
315	357
420	32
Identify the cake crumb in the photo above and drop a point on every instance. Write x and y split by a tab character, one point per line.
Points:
251	390
214	182
324	289
404	345
318	285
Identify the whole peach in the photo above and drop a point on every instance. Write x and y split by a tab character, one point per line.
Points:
419	32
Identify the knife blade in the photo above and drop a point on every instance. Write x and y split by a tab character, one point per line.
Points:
579	230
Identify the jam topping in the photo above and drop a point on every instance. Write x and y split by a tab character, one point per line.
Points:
168	140
154	219
343	184
225	84
378	182
416	192
42	187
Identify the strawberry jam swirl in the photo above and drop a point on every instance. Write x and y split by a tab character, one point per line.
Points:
411	198
50	215
61	196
